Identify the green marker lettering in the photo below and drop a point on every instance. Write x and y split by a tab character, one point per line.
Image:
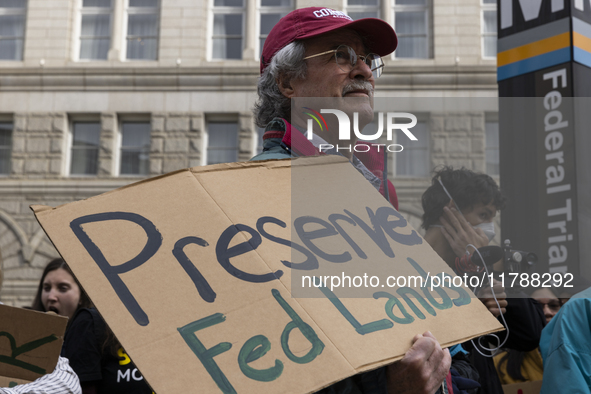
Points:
360	328
206	355
390	304
307	331
27	347
445	299
253	349
403	291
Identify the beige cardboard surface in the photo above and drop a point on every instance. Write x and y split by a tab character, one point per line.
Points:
11	382
30	344
523	388
192	272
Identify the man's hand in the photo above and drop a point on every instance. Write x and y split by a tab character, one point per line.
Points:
459	233
486	296
421	370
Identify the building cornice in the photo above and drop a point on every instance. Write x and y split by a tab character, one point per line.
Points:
225	78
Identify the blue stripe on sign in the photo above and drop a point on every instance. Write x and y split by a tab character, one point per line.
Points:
582	56
533	64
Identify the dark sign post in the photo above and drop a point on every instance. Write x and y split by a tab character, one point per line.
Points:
544	76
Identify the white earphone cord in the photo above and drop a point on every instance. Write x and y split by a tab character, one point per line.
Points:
494	349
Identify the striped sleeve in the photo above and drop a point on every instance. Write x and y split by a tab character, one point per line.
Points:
62	380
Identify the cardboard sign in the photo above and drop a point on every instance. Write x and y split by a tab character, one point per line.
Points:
194	270
523	388
30	344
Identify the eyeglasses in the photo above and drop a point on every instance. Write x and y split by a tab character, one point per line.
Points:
346	59
553	305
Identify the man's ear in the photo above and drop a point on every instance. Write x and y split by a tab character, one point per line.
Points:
284	85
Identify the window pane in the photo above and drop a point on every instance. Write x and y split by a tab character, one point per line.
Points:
95	25
94	48
411	23
12	25
411	2
362	2
142	48
11	49
143	3
135	148
414	159
489	1
135	135
142	25
490	22
275	3
84	162
13	3
96	3
228	3
85	143
490	46
227	24
5	135
227	48
412	47
360	15
223	143
268	21
492	148
86	135
5	147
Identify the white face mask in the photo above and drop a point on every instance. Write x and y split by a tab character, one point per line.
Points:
487	227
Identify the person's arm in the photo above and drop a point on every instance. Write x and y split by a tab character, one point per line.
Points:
62	380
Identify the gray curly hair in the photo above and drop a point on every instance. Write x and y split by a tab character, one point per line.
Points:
288	63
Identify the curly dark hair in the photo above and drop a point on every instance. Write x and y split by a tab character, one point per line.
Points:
52	266
467	188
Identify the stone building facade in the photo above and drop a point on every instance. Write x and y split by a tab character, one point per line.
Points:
188	85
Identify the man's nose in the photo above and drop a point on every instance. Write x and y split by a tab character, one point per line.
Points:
361	70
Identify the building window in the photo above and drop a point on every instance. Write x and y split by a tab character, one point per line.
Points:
412	25
5	147
95	29
414	160
491	131
85	148
270	12
222	146
228	29
12	29
135	148
358	9
489	28
142	29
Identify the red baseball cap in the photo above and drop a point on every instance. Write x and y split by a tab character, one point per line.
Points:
314	21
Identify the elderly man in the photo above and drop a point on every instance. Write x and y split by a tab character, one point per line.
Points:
318	52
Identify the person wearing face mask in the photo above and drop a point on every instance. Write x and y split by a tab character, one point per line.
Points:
62	380
459	209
